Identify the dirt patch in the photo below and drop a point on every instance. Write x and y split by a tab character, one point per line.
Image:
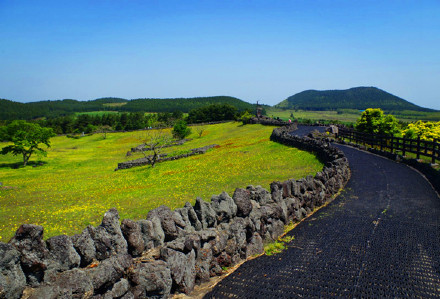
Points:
175	172
8	188
201	290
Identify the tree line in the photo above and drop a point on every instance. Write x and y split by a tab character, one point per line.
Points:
10	110
126	121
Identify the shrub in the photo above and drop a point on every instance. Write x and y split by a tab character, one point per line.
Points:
375	121
426	130
181	130
246	117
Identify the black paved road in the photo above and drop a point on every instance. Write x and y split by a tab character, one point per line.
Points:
379	239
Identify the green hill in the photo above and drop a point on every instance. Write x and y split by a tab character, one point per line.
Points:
354	98
10	110
182	104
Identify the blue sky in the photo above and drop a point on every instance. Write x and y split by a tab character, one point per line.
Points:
254	50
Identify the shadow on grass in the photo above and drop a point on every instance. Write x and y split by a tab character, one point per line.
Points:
145	170
17	165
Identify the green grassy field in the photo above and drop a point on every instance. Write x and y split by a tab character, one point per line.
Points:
348	115
100	113
351	116
114	104
77	183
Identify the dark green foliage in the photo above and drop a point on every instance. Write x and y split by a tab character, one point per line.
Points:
10	110
181	130
183	105
109	100
212	113
164	117
26	138
89	123
359	98
177	114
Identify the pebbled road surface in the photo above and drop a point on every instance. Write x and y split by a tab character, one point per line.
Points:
379	239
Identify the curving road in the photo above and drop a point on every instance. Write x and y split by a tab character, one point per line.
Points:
380	238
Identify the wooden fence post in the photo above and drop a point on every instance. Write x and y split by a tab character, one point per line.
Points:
392	144
434	143
418	147
403	147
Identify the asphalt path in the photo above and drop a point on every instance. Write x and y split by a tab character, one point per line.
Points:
379	239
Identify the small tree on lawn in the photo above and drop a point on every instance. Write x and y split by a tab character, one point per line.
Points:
200	130
104	129
27	139
181	130
155	141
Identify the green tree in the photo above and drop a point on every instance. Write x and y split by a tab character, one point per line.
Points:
181	130
373	120
177	114
214	112
27	139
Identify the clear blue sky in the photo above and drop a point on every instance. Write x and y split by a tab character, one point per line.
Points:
254	50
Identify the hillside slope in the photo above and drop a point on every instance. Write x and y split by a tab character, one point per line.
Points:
10	110
354	98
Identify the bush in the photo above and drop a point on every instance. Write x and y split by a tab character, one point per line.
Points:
245	118
181	130
426	130
375	121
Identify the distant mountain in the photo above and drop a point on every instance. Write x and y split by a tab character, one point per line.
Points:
10	110
354	98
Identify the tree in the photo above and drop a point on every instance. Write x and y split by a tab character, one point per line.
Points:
374	121
27	139
177	114
155	141
200	130
104	129
181	130
214	112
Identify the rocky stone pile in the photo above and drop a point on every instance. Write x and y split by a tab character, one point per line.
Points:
168	251
143	148
164	157
267	121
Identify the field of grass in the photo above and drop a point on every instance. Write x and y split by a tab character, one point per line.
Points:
78	184
100	113
347	115
411	116
114	104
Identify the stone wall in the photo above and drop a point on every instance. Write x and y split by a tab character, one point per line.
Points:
164	157
142	148
168	251
267	121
